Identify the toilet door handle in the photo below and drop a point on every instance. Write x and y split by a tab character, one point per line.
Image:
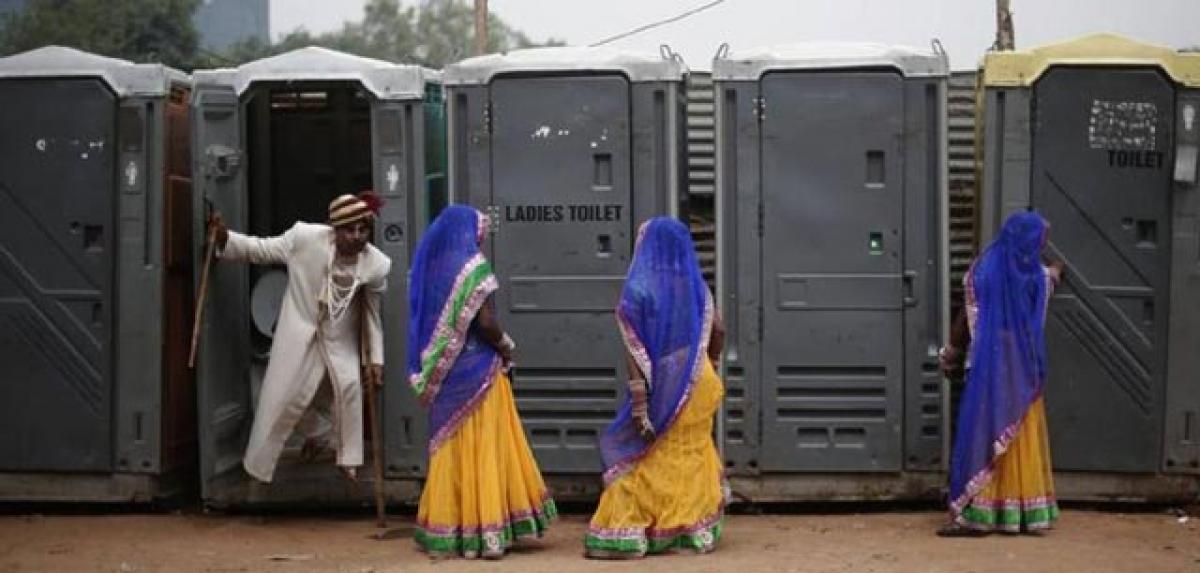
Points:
908	279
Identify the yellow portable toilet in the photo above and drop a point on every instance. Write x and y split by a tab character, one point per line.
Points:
1100	135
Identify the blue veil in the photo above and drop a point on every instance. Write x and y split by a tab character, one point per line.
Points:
450	366
1008	353
665	315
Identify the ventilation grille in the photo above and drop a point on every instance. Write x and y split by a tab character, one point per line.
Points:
701	170
964	234
831	406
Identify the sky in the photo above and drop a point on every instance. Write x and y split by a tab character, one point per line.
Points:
965	27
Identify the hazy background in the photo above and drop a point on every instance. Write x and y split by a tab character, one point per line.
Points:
965	27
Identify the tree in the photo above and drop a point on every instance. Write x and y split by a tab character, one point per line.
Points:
138	30
433	33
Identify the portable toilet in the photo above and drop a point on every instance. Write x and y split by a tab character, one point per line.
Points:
1099	135
831	213
276	140
568	150
96	402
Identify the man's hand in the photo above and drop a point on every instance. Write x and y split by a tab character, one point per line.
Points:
217	229
373	375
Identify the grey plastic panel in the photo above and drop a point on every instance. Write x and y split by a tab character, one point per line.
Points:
1102	173
223	364
469	144
562	242
1182	429
658	132
397	133
833	289
926	297
740	270
140	375
1007	158
57	254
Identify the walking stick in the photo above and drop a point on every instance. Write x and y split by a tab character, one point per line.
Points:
372	406
201	295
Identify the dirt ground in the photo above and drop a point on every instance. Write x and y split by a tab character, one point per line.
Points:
874	542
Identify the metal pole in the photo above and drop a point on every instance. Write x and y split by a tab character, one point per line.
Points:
1005	35
481	27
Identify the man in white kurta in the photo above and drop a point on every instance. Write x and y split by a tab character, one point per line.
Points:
332	270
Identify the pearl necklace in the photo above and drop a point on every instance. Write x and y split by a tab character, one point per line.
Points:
337	297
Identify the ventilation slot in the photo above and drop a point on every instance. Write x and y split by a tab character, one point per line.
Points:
832	372
542	437
607	375
870	392
849	437
557	415
526	393
831	414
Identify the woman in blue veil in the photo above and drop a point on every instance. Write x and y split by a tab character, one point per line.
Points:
663	476
483	488
1000	474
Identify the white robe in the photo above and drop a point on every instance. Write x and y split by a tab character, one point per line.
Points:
307	346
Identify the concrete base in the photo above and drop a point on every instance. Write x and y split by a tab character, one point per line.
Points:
777	488
301	485
1133	488
90	488
1070	486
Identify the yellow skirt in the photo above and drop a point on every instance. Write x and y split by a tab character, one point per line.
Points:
673	498
484	489
1020	495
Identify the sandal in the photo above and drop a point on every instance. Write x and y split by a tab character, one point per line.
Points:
957	530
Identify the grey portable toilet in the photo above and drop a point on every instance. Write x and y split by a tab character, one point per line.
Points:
96	402
569	150
1099	134
276	140
831	212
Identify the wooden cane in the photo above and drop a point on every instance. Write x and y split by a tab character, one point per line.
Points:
376	440
200	296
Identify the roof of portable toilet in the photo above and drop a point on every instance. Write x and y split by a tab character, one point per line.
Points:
637	66
383	79
1024	67
125	78
752	63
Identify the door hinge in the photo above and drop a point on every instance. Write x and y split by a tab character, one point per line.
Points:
761	216
487	118
761	327
493	213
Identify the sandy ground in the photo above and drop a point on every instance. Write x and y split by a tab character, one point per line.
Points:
875	542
